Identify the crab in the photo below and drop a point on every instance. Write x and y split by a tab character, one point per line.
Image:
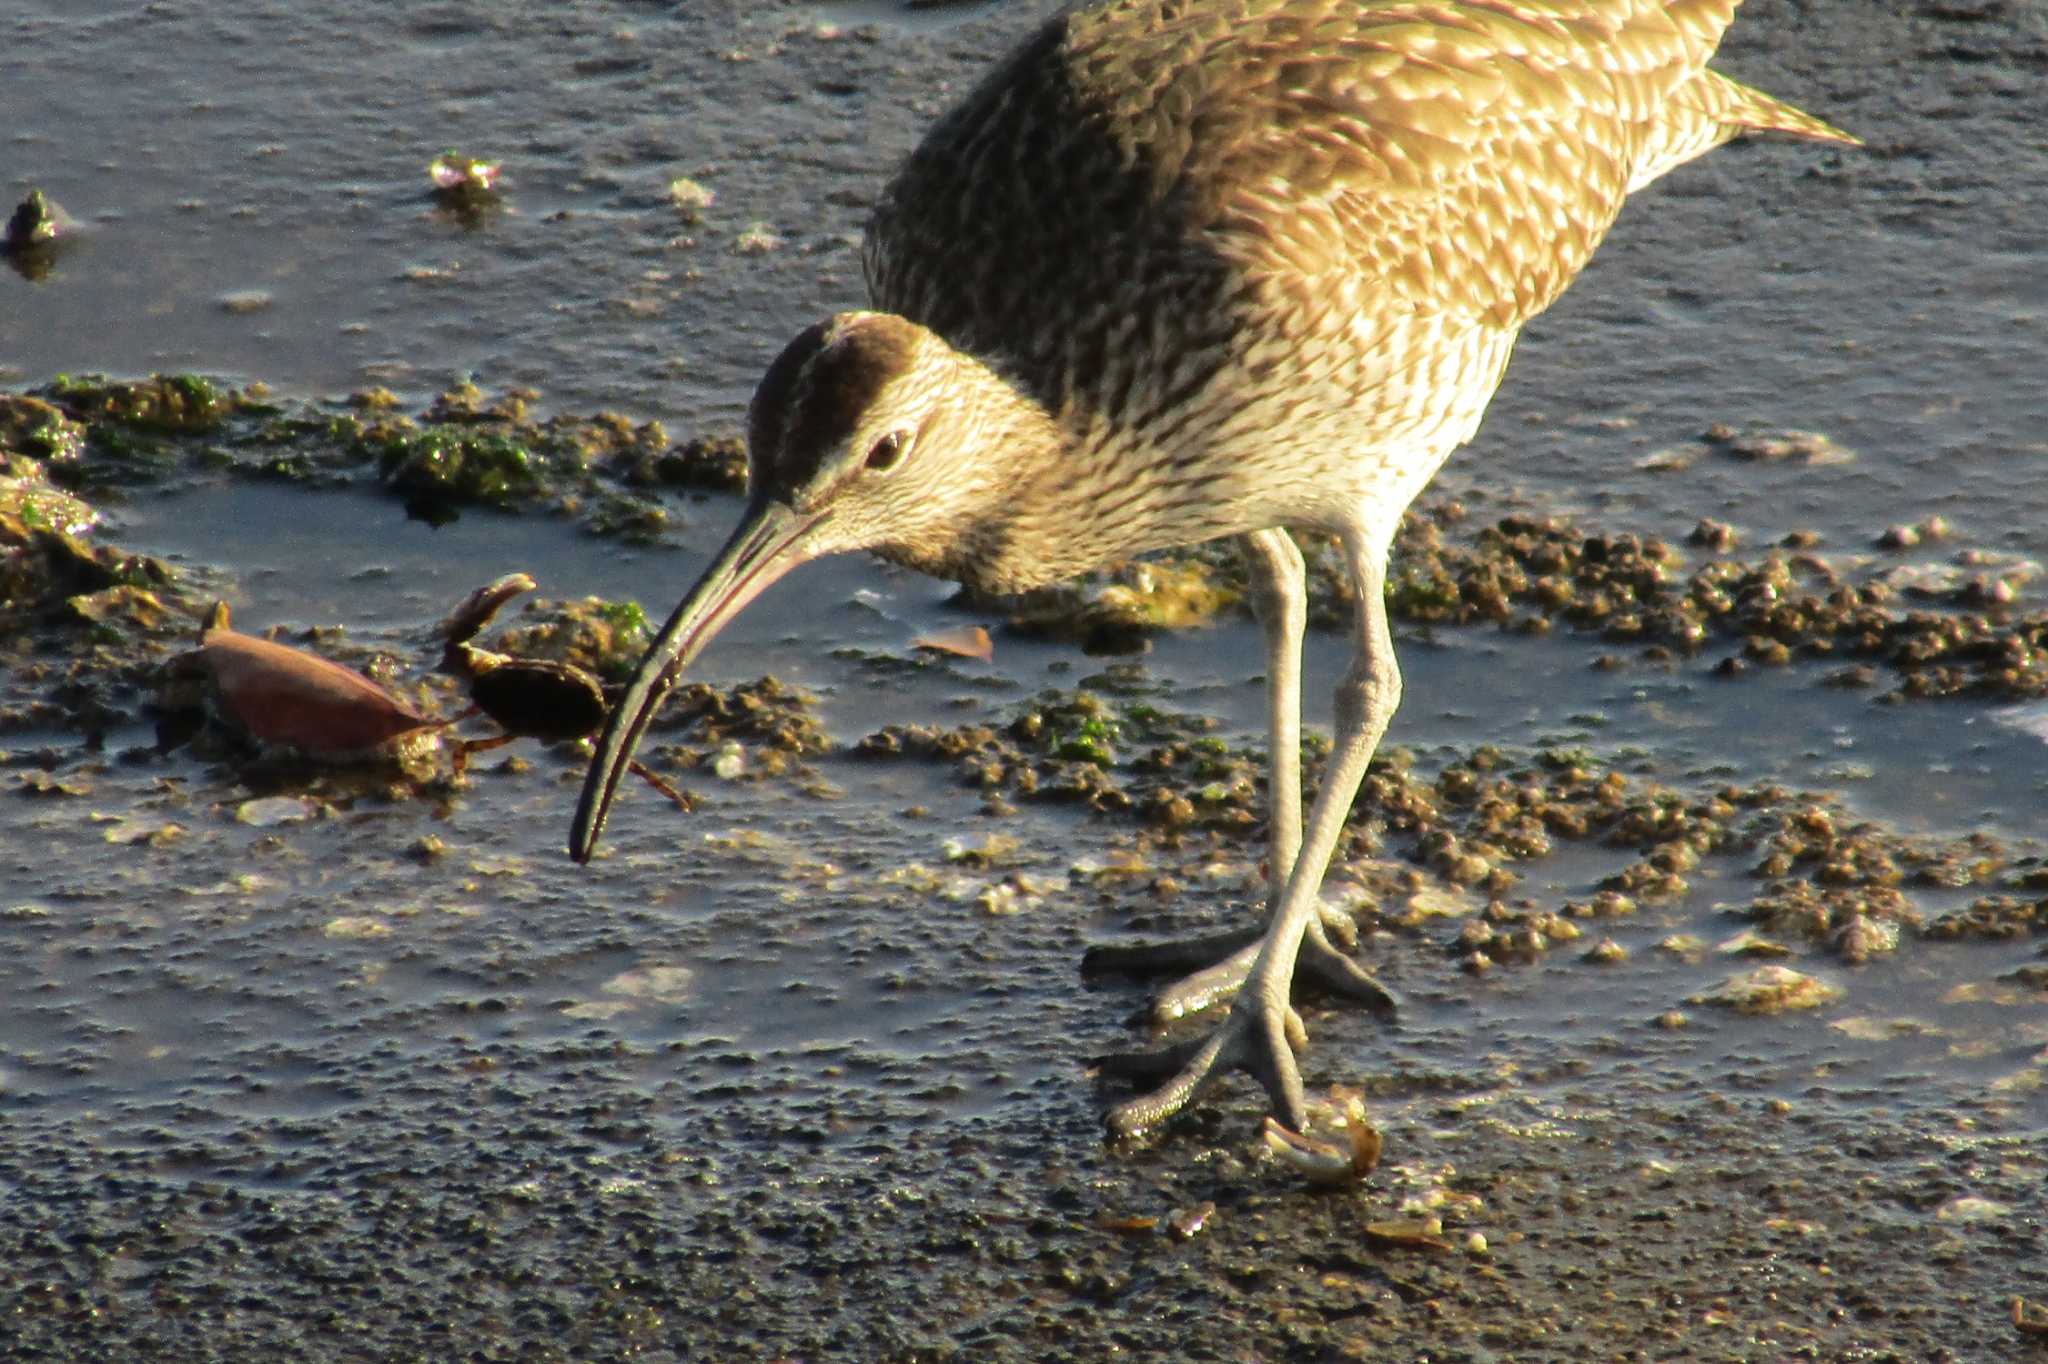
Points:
1325	1162
527	698
284	698
281	697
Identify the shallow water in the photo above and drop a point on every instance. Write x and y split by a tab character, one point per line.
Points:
745	1066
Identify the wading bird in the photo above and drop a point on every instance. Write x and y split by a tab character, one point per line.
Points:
1182	269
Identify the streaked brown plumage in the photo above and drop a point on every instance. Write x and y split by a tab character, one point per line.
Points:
1181	269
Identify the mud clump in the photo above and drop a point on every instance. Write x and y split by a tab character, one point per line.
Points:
164	404
1829	883
465	448
704	463
603	638
1936	631
1907	631
757	730
1117	611
1070	747
82	627
1529	574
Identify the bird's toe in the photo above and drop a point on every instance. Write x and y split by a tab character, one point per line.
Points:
1261	1042
1217	966
1341	975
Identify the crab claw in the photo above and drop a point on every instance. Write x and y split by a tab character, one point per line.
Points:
478	607
1325	1162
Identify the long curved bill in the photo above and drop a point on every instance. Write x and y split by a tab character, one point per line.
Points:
770	541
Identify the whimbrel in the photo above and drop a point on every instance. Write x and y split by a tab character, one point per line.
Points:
1182	269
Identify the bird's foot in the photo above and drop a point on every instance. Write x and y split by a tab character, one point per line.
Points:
1258	1040
1218	966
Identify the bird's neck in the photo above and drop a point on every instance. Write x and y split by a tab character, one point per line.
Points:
1046	495
1022	532
1080	491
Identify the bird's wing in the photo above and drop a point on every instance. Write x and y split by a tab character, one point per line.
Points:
1455	157
1468	157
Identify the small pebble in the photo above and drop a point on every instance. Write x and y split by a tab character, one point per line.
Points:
247	301
758	239
690	198
1712	534
1771	990
1606	952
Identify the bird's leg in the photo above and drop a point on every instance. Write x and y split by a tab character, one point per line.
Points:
1279	582
1262	1031
1220	963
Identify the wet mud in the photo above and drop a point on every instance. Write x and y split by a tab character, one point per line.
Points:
1706	858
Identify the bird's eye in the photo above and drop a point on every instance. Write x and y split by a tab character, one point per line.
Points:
885	453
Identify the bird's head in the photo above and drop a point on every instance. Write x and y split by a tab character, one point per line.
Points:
878	435
867	432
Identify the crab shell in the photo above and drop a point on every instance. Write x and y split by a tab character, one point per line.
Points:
281	695
535	698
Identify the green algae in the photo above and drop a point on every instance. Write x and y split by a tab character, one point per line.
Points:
465	449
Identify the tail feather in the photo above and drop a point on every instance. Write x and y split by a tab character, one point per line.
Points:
1709	110
1749	110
